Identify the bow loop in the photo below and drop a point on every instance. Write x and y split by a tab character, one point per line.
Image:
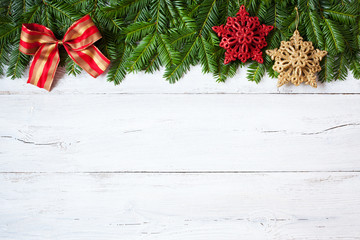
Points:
33	36
81	34
78	41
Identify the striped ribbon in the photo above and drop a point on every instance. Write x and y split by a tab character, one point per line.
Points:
78	41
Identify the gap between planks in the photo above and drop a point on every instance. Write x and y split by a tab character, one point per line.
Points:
175	172
5	93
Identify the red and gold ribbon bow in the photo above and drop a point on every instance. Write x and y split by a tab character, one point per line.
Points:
78	41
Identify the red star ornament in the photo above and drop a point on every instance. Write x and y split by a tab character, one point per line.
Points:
243	37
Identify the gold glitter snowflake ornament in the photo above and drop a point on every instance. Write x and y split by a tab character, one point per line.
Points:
297	61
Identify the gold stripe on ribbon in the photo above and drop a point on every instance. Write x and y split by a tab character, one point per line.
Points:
94	55
51	72
36	38
82	63
39	66
46	45
93	38
30	51
78	30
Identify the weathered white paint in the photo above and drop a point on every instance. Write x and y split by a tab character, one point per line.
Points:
180	206
157	132
193	82
88	160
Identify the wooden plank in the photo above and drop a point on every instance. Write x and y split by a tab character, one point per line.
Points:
304	206
193	82
172	132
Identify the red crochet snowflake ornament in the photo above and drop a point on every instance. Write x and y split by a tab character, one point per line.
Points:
243	37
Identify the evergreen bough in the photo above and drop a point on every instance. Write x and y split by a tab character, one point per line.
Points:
144	35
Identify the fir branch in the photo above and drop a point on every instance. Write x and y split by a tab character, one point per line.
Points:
345	14
142	53
117	70
8	32
324	74
5	20
225	71
160	19
154	64
143	35
3	57
340	68
313	28
32	14
333	37
205	20
175	72
207	16
71	67
63	11
355	68
123	7
179	36
166	51
17	64
207	59
136	31
255	72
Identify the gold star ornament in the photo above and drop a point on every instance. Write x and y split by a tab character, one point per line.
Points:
296	61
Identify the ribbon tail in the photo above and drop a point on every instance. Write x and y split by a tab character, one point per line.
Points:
44	65
90	59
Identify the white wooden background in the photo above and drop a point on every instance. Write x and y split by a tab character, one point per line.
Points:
195	160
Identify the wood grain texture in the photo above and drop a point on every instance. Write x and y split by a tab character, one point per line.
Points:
195	82
156	132
194	160
282	206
